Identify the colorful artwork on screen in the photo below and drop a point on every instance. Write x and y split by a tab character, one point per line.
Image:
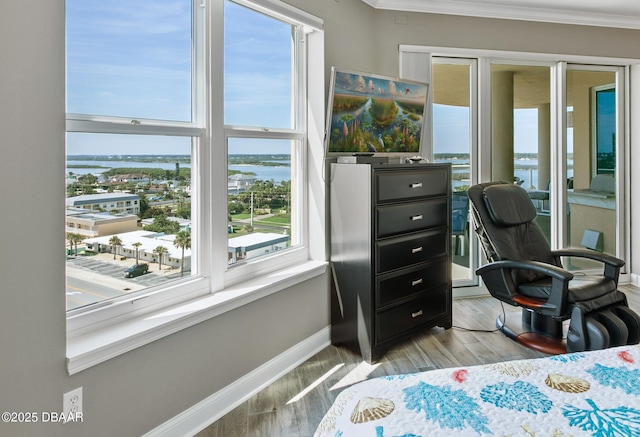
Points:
375	114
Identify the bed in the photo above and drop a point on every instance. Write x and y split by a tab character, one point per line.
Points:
593	393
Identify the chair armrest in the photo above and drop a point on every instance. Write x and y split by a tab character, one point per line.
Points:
536	266
501	286
612	265
584	253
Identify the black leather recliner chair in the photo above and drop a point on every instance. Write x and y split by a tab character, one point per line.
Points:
523	271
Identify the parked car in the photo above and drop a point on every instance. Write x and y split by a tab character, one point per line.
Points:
136	270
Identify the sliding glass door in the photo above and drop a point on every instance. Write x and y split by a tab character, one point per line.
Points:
521	132
454	139
595	151
578	197
555	128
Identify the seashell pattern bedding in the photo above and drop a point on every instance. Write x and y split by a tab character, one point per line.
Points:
593	393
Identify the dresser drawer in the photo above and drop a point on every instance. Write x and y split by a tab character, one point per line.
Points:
406	184
398	285
412	216
411	314
405	251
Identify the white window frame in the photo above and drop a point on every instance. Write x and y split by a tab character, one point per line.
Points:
105	313
106	329
472	63
286	257
298	134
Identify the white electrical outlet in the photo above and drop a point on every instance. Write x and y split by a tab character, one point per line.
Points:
72	403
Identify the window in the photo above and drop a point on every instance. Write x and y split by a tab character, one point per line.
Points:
264	144
144	149
131	141
603	106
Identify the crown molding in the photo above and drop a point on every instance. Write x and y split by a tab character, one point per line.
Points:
509	12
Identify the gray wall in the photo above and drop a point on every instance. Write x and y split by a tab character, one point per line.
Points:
492	34
362	38
137	391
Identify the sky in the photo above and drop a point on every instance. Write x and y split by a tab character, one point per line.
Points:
451	130
132	58
365	85
129	58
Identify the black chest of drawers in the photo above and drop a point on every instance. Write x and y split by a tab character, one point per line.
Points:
390	253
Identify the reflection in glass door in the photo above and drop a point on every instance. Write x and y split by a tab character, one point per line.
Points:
453	136
592	145
521	133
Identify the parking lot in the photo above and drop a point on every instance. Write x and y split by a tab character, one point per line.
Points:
92	279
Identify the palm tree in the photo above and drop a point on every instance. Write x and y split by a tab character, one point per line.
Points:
137	245
69	238
160	250
115	241
182	241
74	239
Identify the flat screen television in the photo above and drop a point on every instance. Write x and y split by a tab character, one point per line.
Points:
368	113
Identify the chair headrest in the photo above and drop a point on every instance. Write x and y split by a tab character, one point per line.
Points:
509	204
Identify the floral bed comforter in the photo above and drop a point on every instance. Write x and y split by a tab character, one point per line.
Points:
581	394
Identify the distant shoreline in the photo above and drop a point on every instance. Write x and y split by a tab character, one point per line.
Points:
247	157
267	159
136	158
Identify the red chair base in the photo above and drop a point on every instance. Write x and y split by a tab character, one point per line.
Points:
523	333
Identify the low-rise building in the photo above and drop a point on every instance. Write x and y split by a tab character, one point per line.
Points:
254	245
149	241
238	183
110	202
129	177
96	224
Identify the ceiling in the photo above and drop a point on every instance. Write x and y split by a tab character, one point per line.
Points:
607	13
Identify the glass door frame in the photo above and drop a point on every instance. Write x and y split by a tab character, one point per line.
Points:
472	243
622	148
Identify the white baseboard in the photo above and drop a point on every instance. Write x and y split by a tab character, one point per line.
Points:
198	417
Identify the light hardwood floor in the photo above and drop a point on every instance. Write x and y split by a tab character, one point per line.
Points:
295	404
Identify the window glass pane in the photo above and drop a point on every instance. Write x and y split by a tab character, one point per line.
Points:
258	59
451	90
260	199
592	210
521	133
128	203
129	58
604	100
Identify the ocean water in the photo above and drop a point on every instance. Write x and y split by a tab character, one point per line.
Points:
524	169
277	174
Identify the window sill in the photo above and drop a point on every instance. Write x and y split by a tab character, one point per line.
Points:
101	345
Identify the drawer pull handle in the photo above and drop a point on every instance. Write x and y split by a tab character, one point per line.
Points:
416	217
416	249
416	185
416	314
416	282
